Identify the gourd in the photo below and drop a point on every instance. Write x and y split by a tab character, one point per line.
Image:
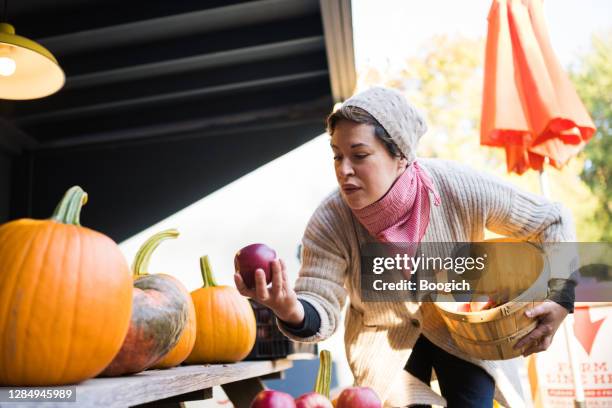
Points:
160	313
187	340
319	398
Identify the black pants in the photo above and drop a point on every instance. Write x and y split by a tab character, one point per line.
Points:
463	384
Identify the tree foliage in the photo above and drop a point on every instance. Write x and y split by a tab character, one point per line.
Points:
593	80
445	80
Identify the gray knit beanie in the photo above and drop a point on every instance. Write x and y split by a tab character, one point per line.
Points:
402	120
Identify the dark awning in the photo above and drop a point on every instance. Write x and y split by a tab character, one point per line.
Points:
167	101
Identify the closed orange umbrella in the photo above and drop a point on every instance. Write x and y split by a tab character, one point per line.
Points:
529	107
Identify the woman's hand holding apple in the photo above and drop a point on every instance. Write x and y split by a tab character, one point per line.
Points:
279	297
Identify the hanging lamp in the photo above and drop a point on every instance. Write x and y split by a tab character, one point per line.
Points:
27	69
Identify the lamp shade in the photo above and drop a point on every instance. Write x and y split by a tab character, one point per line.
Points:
27	69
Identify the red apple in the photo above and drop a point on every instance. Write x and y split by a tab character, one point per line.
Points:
359	397
482	303
272	399
253	257
464	307
312	400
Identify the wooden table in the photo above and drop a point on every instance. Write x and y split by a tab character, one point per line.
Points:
169	388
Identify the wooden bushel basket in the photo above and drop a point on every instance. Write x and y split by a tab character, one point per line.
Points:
519	270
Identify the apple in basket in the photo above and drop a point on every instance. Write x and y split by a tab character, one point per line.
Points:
482	303
479	303
463	307
252	257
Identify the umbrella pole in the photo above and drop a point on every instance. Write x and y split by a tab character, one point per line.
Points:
544	184
579	401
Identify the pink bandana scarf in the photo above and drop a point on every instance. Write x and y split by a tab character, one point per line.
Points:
402	214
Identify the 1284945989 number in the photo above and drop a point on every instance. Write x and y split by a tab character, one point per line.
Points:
33	394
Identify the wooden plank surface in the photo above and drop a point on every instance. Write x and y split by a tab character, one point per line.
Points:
153	385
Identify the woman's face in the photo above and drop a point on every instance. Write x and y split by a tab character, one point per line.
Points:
365	169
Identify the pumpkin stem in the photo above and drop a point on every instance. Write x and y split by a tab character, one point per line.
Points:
143	256
323	381
207	274
68	211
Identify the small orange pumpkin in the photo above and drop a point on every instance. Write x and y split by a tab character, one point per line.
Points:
226	323
160	313
65	298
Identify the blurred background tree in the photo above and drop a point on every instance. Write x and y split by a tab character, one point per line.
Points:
593	79
445	81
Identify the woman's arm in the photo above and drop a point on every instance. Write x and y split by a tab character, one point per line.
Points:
310	324
534	218
482	200
516	213
320	284
310	312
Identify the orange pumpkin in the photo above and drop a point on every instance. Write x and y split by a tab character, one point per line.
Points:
159	315
226	324
65	298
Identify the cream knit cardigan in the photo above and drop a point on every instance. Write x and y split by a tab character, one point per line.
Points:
379	336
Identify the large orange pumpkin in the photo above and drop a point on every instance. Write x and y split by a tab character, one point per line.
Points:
159	315
65	298
226	324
